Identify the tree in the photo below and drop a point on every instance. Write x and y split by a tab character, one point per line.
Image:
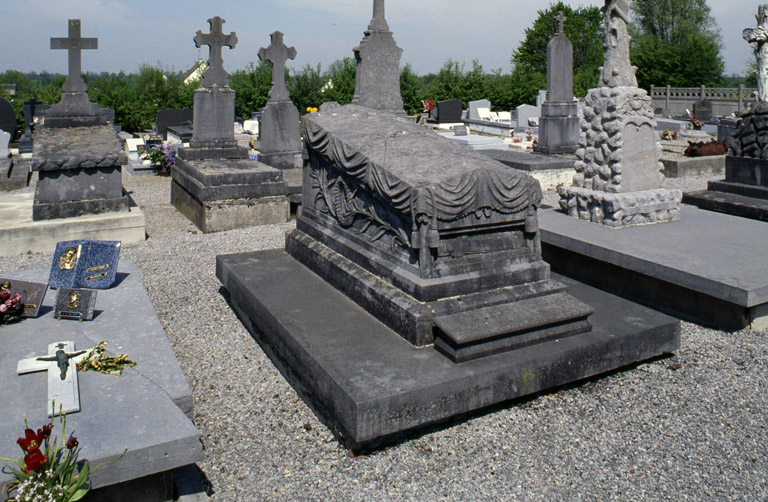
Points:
676	42
251	87
339	81
305	87
410	91
529	61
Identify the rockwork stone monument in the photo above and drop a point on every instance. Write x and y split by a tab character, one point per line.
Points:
377	84
745	189
432	298
76	153
559	122
618	178
215	184
280	138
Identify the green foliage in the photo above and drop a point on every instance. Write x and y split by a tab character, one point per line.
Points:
305	87
676	42
251	87
530	59
339	81
410	88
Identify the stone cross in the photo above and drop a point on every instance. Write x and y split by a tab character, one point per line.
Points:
61	365
277	53
759	36
216	39
379	21
74	44
561	19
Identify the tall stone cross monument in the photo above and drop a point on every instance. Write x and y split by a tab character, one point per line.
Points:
377	84
618	178
280	137
559	124
75	109
214	114
759	36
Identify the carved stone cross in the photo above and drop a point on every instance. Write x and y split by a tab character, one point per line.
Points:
216	39
759	36
277	53
74	44
561	19
61	364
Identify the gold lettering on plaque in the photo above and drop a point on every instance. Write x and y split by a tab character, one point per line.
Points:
103	274
68	260
96	269
74	300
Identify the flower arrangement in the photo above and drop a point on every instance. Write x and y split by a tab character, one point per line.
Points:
428	105
312	109
163	157
46	471
11	306
666	135
695	123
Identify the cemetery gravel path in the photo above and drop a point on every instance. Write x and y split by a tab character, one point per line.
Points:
689	427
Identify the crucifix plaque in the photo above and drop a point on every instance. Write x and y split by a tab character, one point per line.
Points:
278	53
74	44
61	365
216	39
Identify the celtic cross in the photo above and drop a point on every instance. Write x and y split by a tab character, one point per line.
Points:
215	40
74	44
277	53
561	19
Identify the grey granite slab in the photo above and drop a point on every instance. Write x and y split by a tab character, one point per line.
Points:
230	172
76	148
529	161
145	410
370	385
189	179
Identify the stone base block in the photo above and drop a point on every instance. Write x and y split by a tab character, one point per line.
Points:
14	175
621	209
228	179
689	167
370	386
21	234
282	160
747	171
221	215
73	208
724	201
558	134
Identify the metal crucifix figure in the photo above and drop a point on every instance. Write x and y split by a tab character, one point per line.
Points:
216	39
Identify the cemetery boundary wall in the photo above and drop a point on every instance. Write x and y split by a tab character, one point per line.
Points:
669	101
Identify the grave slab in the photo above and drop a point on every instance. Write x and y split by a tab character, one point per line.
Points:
707	267
370	385
146	409
21	234
688	167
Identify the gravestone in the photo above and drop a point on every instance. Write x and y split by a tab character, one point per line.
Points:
618	179
439	249
7	117
171	117
744	192
474	106
77	154
448	111
33	112
215	185
559	122
377	83
280	138
703	110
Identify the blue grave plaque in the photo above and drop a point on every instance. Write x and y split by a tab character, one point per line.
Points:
85	264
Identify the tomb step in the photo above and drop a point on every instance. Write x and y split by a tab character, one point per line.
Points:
464	336
755	191
729	203
14	176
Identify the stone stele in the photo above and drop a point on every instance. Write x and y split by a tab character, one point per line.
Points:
618	178
377	84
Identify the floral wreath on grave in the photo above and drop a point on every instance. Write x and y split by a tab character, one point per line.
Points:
98	360
11	306
46	470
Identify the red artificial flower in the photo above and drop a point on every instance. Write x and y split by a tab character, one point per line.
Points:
46	431
31	440
72	442
34	460
3	308
16	298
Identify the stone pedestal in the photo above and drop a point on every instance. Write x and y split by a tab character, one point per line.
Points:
559	129
214	118
80	172
280	137
618	180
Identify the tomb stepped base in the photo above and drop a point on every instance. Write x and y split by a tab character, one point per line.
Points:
620	209
731	198
14	175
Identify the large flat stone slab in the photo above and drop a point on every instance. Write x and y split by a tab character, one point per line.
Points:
146	409
370	384
21	234
708	267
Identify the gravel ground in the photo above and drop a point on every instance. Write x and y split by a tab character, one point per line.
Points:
689	427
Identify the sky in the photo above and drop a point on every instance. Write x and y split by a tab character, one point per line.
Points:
160	32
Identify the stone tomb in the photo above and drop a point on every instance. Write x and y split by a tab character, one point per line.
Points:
215	185
147	409
441	245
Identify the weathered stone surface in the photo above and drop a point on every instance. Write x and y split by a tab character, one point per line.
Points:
280	136
214	118
617	71
377	84
759	36
278	53
211	180
77	148
215	75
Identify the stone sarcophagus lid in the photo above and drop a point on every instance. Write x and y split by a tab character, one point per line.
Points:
439	243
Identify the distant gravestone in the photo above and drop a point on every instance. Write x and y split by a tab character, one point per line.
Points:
460	131
703	110
172	117
7	117
559	130
377	83
449	111
475	106
5	140
280	137
526	114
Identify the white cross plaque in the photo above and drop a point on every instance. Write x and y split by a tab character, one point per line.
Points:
63	391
